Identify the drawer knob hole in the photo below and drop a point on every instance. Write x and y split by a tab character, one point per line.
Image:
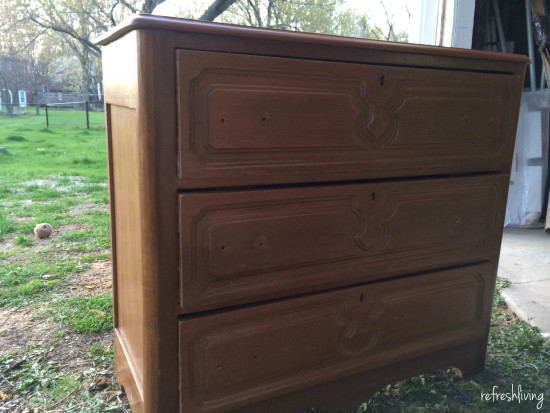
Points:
362	298
223	120
382	81
373	196
260	241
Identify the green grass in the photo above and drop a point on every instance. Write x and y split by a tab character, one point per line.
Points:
6	224
102	354
25	283
35	152
84	314
56	176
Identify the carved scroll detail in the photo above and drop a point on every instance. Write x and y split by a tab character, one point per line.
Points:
360	334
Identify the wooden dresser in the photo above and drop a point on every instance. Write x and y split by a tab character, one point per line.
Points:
298	219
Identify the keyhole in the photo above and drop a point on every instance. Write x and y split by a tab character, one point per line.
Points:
362	298
373	196
224	248
382	81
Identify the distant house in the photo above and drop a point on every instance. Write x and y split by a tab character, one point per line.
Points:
21	85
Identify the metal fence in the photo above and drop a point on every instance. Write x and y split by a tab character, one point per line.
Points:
81	114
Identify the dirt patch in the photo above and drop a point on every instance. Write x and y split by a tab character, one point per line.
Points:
94	281
71	350
29	339
4	246
28	336
19	327
77	210
67	228
53	183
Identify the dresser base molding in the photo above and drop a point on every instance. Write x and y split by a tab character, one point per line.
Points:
347	393
126	375
343	394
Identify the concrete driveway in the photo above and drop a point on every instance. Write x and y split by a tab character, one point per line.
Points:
525	262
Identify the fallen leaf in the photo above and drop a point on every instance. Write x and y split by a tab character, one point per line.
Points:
98	312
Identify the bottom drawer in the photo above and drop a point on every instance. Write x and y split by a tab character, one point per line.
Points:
239	357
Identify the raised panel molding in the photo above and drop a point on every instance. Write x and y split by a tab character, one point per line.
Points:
469	114
333	334
240	247
274	112
253	114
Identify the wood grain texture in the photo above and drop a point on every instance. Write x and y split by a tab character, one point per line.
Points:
156	123
127	374
348	392
261	120
239	357
244	246
128	290
120	76
145	314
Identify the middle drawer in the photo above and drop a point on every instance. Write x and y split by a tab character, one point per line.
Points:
239	247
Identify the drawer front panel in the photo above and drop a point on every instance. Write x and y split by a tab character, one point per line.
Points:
242	356
245	246
254	119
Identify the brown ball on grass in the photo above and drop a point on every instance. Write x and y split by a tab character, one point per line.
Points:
43	230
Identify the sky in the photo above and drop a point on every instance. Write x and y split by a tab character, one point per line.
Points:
395	8
374	8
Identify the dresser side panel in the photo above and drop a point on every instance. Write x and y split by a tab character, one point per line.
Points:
126	236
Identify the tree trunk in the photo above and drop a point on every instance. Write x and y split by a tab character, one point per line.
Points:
215	9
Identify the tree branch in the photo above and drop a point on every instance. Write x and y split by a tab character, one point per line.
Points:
216	8
94	48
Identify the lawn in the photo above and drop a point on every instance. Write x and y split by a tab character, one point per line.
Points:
55	301
56	351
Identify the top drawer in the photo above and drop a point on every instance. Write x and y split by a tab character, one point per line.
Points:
247	119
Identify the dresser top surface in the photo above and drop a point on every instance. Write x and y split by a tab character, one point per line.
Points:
183	26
